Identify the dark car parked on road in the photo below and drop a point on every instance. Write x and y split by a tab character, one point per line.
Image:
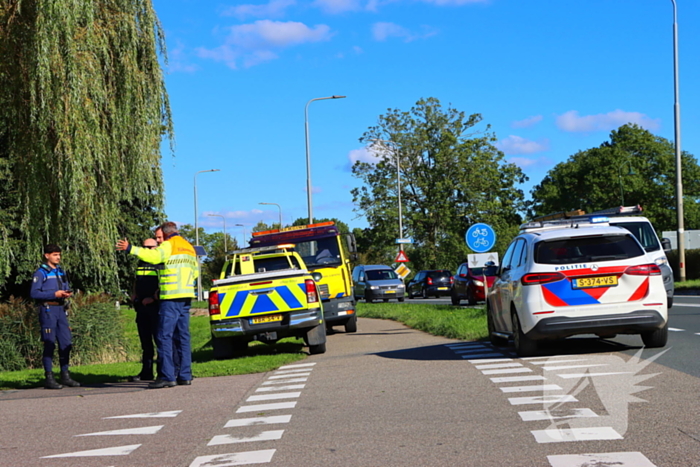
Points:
432	283
469	283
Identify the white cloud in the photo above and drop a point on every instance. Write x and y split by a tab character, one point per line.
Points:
524	162
382	31
518	145
363	155
255	43
178	61
571	121
338	6
273	9
527	122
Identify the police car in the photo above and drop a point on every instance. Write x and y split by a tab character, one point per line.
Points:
563	278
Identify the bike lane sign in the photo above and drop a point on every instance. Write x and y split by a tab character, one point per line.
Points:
480	238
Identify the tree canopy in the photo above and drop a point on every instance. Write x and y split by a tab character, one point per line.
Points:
83	109
451	176
634	168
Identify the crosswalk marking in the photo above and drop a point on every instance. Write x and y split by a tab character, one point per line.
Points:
507	370
172	413
115	451
548	356
144	430
618	459
281	388
534	415
564	435
517	379
559	361
491	360
542	387
258	421
271	397
571	367
289	372
286	381
489	354
297	365
472	350
498	365
262	436
289	376
234	458
264	407
582	375
548	399
676	330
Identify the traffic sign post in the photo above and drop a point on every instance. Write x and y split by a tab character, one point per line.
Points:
480	238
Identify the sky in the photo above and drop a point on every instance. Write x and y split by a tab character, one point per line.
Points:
550	78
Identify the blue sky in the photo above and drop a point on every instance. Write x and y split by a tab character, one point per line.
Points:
550	77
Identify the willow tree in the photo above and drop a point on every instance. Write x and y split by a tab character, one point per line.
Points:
83	110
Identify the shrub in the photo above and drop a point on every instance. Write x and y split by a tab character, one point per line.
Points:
692	264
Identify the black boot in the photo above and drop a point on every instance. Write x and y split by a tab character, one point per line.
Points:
51	382
67	381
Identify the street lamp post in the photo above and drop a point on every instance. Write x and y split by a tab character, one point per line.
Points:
308	157
279	207
196	232
225	244
241	225
680	235
398	185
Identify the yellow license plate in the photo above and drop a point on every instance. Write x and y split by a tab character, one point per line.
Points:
390	291
443	288
266	319
591	282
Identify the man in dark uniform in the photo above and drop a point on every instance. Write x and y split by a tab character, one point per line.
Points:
50	289
146	304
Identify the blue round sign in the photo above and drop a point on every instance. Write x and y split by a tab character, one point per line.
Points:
480	238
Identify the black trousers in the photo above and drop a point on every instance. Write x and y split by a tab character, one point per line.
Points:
147	326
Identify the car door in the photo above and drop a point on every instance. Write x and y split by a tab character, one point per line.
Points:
415	284
360	283
460	280
499	295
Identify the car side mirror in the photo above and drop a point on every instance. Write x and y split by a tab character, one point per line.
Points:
666	244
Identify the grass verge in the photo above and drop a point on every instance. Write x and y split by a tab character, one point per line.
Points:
687	285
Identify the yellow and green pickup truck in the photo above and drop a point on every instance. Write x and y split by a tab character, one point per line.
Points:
265	294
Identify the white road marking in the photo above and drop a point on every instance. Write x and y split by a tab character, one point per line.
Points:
272	397
542	387
564	435
684	304
264	407
490	354
234	458
533	415
144	430
618	459
258	421
548	399
289	376
490	360
559	361
115	451
518	379
582	375
172	413
263	436
697	333
464	344
508	370
569	367
498	365
473	350
289	372
297	365
281	388
550	356
676	330
286	381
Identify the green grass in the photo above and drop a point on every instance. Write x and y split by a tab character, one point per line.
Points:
688	285
438	320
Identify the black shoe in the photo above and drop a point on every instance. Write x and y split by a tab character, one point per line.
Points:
51	382
141	377
159	384
67	381
184	382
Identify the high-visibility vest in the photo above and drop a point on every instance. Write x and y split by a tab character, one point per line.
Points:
179	273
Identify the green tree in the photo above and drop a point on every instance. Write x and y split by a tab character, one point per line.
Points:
451	176
83	109
635	166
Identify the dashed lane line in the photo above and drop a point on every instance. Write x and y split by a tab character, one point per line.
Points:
230	439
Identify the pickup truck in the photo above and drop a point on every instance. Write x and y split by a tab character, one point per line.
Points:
265	294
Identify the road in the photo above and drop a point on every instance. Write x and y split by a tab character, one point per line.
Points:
385	396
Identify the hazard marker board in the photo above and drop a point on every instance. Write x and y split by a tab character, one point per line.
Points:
401	257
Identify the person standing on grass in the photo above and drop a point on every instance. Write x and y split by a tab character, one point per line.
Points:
176	280
50	290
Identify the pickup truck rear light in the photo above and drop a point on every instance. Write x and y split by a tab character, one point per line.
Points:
644	270
214	304
311	294
537	278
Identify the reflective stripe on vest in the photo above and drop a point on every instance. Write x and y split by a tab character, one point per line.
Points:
180	271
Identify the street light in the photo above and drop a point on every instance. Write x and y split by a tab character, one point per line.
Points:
280	208
196	233
241	225
225	245
677	126
308	157
398	184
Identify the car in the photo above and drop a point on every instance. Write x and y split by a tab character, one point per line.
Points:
434	282
558	279
377	282
469	283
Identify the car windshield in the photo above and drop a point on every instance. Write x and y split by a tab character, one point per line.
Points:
644	233
381	275
484	271
582	249
319	253
440	274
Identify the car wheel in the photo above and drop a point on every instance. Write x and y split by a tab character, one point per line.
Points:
368	300
657	338
317	349
670	301
351	325
424	294
524	346
495	340
471	301
455	298
401	299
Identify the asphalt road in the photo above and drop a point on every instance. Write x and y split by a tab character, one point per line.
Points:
384	396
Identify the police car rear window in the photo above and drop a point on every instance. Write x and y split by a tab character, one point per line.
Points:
582	249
